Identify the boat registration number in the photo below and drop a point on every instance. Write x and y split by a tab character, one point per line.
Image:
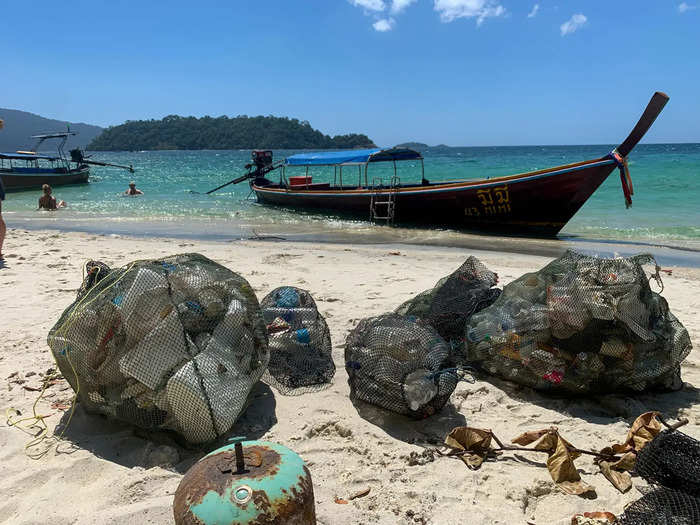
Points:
493	201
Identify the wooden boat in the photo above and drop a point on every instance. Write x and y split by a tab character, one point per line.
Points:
534	203
27	170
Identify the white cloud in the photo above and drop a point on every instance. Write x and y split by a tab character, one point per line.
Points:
370	5
449	10
683	7
384	24
533	13
399	5
572	24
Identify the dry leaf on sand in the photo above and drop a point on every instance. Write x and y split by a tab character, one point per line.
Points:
645	428
561	464
529	437
475	442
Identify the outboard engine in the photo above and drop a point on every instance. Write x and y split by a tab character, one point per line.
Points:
76	155
262	158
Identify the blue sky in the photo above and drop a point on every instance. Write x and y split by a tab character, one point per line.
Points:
460	72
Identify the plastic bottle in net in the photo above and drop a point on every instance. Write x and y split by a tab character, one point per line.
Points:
301	358
671	459
175	343
454	299
662	506
580	324
399	363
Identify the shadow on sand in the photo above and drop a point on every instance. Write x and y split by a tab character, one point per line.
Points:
131	446
429	431
604	408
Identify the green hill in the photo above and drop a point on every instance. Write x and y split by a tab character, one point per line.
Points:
20	125
242	132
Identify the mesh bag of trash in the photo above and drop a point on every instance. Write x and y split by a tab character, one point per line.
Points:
175	343
581	324
454	299
399	363
300	342
662	506
671	459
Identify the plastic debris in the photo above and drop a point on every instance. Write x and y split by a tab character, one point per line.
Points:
454	299
581	324
399	363
174	343
301	358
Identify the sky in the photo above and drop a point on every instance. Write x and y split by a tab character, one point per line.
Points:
456	72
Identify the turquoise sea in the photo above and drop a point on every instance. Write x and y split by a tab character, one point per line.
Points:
666	209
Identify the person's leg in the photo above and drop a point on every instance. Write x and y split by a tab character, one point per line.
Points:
2	230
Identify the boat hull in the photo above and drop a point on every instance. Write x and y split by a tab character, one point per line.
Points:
20	179
537	203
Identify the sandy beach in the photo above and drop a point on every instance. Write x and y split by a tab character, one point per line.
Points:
107	472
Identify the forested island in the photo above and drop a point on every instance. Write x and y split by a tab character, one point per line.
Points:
242	132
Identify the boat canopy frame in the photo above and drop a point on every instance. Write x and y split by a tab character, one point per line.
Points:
346	158
33	157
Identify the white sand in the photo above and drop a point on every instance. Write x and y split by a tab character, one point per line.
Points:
104	473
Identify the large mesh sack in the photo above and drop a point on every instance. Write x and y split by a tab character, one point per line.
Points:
399	363
454	299
175	343
581	324
671	459
300	342
662	506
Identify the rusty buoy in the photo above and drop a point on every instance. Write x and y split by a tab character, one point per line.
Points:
246	482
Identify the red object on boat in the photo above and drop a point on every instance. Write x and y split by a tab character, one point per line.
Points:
299	181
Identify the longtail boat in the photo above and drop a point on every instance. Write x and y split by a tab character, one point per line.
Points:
535	203
27	170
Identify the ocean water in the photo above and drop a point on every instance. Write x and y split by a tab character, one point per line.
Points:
666	208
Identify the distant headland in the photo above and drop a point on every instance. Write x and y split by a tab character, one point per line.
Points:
174	132
420	146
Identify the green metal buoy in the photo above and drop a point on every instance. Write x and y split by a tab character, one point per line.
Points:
246	482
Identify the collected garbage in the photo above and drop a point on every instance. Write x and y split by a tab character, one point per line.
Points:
454	299
581	324
246	482
300	342
662	506
671	464
175	343
671	459
399	363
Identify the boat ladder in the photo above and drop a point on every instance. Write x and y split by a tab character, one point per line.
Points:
383	207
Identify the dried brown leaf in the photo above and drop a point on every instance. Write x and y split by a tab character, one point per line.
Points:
529	437
562	469
645	428
475	442
601	517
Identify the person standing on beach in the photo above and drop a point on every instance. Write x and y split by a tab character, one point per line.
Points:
47	201
3	228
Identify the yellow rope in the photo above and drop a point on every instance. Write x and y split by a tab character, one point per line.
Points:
38	420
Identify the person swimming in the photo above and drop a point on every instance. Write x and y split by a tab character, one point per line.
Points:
132	189
48	201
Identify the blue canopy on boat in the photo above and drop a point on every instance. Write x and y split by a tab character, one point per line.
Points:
351	156
25	156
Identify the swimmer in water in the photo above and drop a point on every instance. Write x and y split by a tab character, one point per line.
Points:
48	201
132	189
